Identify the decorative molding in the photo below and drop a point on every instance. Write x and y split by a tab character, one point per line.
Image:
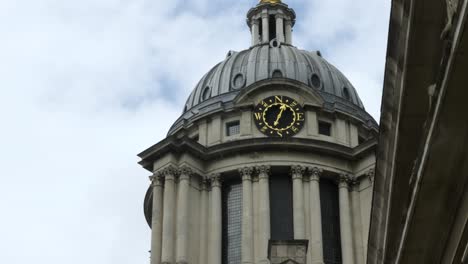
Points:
246	173
297	171
315	173
263	171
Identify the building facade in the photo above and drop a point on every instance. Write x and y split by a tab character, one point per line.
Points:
271	161
420	206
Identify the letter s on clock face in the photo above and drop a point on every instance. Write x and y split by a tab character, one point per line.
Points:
279	116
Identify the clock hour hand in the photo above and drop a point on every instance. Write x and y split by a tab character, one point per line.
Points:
282	108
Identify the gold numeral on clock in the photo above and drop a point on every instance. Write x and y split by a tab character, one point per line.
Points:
258	116
300	116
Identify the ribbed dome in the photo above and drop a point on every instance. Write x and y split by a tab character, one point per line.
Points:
241	69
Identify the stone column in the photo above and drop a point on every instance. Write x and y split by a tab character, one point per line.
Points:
167	255
288	33
265	28
203	258
247	213
264	213
183	215
215	223
156	218
279	28
315	243
298	202
345	220
255	32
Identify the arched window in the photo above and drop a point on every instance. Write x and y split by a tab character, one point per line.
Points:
330	210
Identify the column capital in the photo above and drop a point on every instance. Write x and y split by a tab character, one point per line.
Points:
156	180
255	22
185	172
215	180
263	171
205	183
315	173
344	180
264	15
246	173
297	171
169	173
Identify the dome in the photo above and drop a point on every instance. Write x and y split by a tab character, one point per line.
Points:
241	69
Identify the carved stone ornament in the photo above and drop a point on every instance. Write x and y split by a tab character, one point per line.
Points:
246	173
263	171
297	171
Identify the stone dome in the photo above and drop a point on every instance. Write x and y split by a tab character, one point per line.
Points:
241	69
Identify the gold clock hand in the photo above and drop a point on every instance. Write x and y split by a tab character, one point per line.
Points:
282	108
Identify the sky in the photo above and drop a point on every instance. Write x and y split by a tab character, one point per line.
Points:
86	85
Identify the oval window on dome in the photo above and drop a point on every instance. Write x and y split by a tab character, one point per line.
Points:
238	81
315	81
206	93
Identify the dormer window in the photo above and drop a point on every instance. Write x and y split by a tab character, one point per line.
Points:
346	93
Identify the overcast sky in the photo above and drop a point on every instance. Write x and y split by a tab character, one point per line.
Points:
86	85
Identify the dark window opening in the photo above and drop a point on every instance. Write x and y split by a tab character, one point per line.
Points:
330	222
324	128
232	221
272	27
346	93
281	204
233	128
260	29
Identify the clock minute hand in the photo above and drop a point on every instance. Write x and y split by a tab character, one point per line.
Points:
282	108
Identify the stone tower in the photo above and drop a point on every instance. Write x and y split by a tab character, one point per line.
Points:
271	160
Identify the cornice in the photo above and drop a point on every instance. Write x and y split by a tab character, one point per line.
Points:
188	145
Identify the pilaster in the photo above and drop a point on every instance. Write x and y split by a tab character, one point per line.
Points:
297	173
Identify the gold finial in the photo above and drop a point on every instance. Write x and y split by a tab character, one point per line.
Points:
270	1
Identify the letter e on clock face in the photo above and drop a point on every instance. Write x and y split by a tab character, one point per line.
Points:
279	116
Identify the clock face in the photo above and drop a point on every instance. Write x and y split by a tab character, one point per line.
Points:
279	116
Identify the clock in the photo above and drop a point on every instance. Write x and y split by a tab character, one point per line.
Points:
279	116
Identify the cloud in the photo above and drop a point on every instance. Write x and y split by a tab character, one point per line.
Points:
86	85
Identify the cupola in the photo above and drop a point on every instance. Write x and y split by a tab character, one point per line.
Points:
271	22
